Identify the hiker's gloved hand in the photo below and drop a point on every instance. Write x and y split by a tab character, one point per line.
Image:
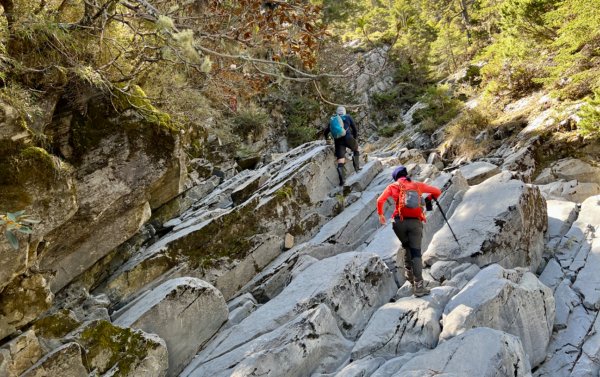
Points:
428	204
382	219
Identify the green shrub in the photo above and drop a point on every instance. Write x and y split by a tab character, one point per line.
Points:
441	108
251	121
300	113
298	135
590	116
390	129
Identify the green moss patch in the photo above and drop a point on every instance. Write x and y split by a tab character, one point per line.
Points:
57	325
107	345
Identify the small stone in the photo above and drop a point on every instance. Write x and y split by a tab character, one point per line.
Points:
289	241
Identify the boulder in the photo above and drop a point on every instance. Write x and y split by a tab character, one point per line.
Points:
521	161
513	301
453	187
310	343
19	354
124	165
388	247
478	171
573	191
185	312
113	350
442	270
352	285
64	361
407	325
501	220
477	352
569	169
22	301
461	277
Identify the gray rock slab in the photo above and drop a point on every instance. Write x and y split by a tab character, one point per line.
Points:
453	186
589	361
561	215
477	352
407	325
521	161
352	285
588	279
572	168
478	171
387	246
461	279
566	299
310	343
185	312
393	365
64	361
442	270
552	274
501	220
360	368
344	228
581	231
573	190
513	301
565	346
361	180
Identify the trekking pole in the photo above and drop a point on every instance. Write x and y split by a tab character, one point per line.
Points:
446	219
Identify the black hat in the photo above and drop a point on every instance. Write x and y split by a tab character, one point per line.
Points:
400	171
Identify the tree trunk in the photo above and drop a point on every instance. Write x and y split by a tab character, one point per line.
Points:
466	20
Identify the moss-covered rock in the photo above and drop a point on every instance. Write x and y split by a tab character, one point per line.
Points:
23	300
57	325
124	351
127	160
64	361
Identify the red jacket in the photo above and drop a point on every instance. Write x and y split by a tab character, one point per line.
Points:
394	191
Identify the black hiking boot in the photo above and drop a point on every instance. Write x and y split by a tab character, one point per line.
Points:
341	176
356	163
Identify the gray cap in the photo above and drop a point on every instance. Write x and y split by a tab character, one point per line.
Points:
341	110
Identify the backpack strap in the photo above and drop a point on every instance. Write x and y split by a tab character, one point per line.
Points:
401	197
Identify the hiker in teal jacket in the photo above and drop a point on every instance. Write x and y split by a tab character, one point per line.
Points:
346	141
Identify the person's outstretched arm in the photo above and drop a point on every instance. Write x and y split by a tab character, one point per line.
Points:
434	191
381	201
326	131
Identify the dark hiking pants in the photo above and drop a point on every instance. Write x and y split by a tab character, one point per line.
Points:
345	142
410	233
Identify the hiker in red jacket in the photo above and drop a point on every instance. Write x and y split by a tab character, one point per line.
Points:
408	219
